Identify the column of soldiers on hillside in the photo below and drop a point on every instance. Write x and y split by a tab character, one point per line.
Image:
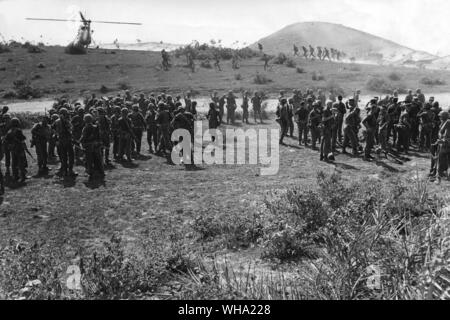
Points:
389	125
322	53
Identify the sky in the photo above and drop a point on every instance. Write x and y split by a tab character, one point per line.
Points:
418	24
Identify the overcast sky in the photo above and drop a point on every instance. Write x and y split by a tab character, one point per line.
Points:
419	24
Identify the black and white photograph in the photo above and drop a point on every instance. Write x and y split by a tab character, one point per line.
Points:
246	152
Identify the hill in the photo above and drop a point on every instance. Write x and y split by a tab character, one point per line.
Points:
360	45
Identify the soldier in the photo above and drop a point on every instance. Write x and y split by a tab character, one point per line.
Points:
222	102
15	141
370	122
413	111
290	106
403	130
283	118
187	102
302	123
314	119
426	119
104	127
5	125
213	117
92	145
266	60
77	125
125	136
165	60
52	141
64	136
295	50
444	145
409	97
41	133
321	97
245	100
311	52
384	122
319	53
260	47
350	131
356	97
2	182
231	107
256	103
138	126
327	131
152	128
420	96
305	52
115	131
215	98
217	62
326	54
436	122
394	112
341	111
163	120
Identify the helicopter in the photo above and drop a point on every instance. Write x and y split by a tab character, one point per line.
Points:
84	36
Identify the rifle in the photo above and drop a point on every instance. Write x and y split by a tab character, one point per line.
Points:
28	151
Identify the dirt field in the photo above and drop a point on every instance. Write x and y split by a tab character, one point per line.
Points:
79	75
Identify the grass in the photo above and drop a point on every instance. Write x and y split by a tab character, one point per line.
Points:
89	73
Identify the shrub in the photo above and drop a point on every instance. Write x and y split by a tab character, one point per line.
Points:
290	63
123	85
377	84
394	76
206	64
24	89
317	76
104	89
300	70
261	79
393	227
432	82
41	65
4	48
281	58
238	76
334	87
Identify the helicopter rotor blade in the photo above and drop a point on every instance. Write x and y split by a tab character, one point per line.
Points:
117	22
73	20
40	19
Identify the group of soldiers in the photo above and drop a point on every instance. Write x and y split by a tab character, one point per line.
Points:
228	102
79	133
84	133
390	126
322	53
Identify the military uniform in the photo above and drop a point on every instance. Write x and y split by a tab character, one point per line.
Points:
245	109
41	133
92	144
64	145
302	124
125	136
314	122
104	126
15	141
350	131
138	125
152	129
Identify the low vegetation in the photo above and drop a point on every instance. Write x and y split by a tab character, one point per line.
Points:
381	85
432	82
261	79
340	240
